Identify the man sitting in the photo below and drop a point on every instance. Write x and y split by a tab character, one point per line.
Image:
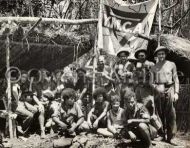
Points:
28	104
115	119
97	115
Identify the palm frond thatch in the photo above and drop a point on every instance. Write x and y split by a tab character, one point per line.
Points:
47	46
177	44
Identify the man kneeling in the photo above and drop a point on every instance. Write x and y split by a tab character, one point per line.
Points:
138	122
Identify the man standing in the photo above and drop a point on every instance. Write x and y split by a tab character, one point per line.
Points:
102	73
81	84
123	68
143	91
165	82
123	71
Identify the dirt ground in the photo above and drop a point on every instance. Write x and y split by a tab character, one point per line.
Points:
90	141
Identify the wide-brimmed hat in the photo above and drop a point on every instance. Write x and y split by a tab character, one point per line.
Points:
81	69
140	50
122	50
58	71
132	58
161	48
48	94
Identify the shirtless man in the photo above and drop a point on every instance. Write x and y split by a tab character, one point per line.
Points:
165	82
81	84
27	101
102	73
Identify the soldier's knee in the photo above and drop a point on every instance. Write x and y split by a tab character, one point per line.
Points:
30	115
143	126
84	126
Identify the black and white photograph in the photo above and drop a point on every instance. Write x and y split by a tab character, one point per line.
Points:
94	73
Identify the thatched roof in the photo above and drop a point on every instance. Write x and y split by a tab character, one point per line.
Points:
177	44
47	46
50	46
179	51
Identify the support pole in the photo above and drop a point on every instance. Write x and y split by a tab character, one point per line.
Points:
94	68
172	18
100	31
98	42
9	83
31	29
160	22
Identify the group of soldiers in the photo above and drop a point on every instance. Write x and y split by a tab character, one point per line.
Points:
132	99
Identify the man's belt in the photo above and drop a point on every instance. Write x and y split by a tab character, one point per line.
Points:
166	85
143	85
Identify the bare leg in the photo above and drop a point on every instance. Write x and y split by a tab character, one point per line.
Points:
41	122
28	116
84	127
60	123
41	119
105	132
145	134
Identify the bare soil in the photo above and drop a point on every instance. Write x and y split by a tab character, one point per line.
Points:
92	141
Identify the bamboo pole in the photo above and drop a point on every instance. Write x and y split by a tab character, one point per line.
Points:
98	42
172	18
100	32
48	20
160	21
94	67
31	29
9	84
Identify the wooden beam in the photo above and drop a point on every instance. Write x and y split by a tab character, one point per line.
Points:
160	21
179	20
142	36
170	7
48	20
100	29
38	44
36	24
8	82
164	26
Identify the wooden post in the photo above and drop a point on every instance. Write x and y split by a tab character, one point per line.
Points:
94	67
98	42
8	83
31	29
160	21
100	32
172	17
182	11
